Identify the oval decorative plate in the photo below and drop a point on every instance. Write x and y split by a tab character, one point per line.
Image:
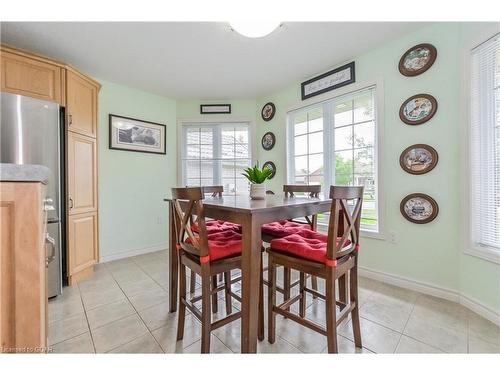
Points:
418	159
418	109
417	59
271	166
419	208
268	141
268	111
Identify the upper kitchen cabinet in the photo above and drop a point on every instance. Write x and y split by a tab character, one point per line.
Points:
31	77
81	104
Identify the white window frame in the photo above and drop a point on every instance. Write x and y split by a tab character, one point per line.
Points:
468	245
182	123
378	146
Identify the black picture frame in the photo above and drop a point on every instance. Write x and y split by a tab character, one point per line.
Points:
204	111
273	141
273	111
271	166
114	147
350	66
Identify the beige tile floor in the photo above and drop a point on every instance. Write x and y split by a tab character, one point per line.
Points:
123	308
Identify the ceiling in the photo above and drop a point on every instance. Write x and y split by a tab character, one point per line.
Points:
201	60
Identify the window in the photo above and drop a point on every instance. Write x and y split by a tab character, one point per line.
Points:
334	143
216	154
485	145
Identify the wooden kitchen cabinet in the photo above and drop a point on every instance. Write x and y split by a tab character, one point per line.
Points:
82	244
82	174
23	275
37	76
81	104
31	77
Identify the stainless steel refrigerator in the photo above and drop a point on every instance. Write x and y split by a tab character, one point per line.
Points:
31	133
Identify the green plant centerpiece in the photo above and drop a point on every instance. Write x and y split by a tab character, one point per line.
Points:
257	178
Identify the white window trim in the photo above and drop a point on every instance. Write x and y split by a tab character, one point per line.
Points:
468	245
181	122
379	139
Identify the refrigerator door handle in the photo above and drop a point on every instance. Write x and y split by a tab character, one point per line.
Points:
52	243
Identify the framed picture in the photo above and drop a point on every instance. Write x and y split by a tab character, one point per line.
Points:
268	111
418	159
418	109
268	141
209	109
328	81
130	134
271	166
417	59
419	208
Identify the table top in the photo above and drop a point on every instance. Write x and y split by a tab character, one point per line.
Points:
243	203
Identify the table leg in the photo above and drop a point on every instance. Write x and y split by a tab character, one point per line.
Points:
250	270
173	261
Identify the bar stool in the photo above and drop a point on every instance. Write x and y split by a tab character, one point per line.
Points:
331	257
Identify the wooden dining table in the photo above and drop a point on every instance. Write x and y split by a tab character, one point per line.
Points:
251	214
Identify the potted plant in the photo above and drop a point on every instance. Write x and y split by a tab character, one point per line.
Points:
257	177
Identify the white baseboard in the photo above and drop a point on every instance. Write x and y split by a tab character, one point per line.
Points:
132	252
433	290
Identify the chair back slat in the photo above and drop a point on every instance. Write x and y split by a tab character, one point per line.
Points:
343	230
183	217
215	190
313	190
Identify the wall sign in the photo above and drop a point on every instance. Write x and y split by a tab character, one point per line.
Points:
419	208
328	81
207	109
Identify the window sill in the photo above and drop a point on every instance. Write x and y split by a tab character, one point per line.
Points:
484	253
363	233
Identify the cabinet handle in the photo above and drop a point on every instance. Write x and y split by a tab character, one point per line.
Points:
70	203
70	119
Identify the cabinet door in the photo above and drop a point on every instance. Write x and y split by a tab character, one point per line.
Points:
82	242
30	77
81	105
81	174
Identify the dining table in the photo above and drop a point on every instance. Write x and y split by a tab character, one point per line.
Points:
250	214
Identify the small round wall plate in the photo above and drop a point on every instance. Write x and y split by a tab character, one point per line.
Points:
268	141
271	166
418	159
417	59
268	111
419	208
418	109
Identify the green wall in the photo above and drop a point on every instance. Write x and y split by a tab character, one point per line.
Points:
430	253
132	185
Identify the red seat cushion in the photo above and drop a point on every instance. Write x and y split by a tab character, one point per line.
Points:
283	228
223	244
305	244
214	226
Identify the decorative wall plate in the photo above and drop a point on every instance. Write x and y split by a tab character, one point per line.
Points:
271	166
418	109
417	59
418	159
268	111
268	141
419	208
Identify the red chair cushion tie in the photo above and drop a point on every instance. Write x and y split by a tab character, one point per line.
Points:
214	226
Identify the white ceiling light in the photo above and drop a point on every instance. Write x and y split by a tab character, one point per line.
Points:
254	29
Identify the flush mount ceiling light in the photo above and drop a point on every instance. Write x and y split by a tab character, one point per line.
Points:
254	29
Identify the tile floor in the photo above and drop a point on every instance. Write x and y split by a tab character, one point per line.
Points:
123	308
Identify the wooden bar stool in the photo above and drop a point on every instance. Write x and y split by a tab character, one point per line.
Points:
283	228
207	255
331	257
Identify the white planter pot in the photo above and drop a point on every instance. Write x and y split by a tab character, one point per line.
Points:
258	191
